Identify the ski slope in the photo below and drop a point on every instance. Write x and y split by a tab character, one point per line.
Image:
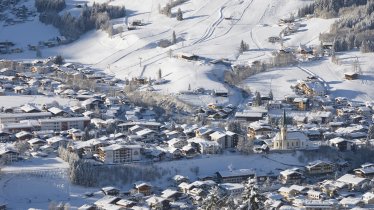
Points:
210	29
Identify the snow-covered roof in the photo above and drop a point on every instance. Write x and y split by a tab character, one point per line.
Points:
119	146
231	186
64	119
238	172
168	193
217	135
351	179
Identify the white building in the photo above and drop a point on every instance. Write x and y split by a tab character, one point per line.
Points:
233	189
17	117
63	124
117	153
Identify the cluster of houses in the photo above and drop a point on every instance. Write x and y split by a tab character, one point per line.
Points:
110	129
314	186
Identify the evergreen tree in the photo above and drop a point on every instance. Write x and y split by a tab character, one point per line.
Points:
257	101
365	47
243	47
58	60
271	95
174	38
159	74
214	200
179	15
251	197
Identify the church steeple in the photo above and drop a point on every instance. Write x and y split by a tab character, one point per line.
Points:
284	119
283	131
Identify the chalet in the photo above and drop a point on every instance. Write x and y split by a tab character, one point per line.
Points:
178	179
146	134
259	128
204	132
351	75
36	143
110	191
116	153
366	171
235	176
177	143
57	141
8	154
301	103
156	202
171	195
5	136
107	202
315	195
342	144
143	187
368	198
203	146
350	203
320	167
353	182
56	112
313	88
249	116
287	192
187	56
23	135
233	189
291	176
91	103
224	140
124	203
221	93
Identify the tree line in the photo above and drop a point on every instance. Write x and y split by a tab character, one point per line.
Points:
50	5
355	27
96	17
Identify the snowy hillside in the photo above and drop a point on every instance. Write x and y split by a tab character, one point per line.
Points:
210	29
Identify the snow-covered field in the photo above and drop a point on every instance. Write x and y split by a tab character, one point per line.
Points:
205	31
333	75
208	165
38	182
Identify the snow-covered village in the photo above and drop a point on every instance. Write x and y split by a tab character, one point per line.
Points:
186	104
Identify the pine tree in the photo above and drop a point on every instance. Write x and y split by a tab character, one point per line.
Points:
243	47
174	38
257	101
159	74
179	15
271	95
214	200
365	47
251	197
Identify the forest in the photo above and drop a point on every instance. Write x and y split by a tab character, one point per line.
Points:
97	16
353	29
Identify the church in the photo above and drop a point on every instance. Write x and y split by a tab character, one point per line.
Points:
289	140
